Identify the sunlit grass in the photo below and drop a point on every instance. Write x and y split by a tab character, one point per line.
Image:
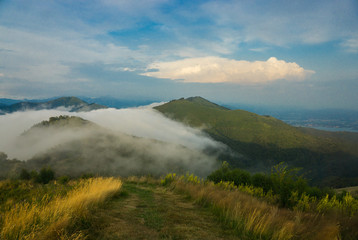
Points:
55	218
255	218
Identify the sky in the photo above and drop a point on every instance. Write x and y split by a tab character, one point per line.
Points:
294	53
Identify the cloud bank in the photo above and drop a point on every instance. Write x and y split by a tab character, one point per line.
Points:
127	141
218	70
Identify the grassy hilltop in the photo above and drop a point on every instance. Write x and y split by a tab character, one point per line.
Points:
330	159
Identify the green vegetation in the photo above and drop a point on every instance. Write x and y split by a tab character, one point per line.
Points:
263	141
45	175
287	189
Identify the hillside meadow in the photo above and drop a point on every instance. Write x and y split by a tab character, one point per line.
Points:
167	208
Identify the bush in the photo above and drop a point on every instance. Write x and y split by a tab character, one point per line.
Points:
263	181
45	175
285	182
168	179
34	175
290	188
220	174
25	175
238	176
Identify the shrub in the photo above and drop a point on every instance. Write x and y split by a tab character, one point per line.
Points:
285	181
168	179
263	181
34	175
239	176
45	175
220	174
225	174
25	175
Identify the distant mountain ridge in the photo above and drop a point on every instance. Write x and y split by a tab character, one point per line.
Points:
73	104
107	101
265	141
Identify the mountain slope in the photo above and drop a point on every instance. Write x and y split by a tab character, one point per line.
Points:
265	141
238	125
72	103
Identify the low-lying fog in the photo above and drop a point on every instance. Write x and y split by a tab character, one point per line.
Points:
143	122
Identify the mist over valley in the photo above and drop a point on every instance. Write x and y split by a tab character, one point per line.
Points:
108	142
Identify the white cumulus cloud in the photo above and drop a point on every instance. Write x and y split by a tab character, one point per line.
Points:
218	70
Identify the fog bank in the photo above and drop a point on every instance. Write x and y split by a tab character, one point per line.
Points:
176	147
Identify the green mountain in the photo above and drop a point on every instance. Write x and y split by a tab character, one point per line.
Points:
73	104
263	141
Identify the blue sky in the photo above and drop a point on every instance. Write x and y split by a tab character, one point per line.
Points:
272	53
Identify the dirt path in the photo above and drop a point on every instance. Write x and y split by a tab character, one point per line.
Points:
153	212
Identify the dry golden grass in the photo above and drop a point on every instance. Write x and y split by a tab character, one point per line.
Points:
258	219
52	219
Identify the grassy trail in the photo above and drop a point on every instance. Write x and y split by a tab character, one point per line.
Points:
145	211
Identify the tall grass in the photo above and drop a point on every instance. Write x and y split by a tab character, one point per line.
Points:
254	218
58	217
